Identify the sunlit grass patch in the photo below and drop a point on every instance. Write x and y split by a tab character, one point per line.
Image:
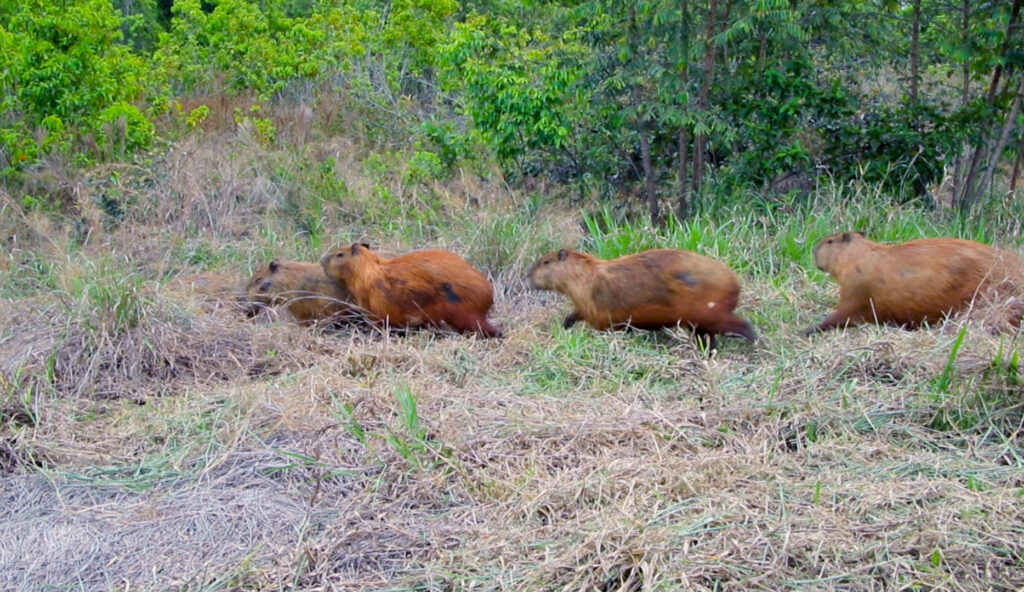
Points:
581	360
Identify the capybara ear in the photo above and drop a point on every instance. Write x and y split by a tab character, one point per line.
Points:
366	246
860	234
847	237
355	248
273	267
562	255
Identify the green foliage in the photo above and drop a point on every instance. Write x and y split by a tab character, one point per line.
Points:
197	116
518	85
564	90
259	47
124	127
61	66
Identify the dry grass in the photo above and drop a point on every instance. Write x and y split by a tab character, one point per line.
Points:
155	439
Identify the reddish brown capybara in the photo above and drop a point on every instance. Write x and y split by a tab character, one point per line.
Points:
911	283
303	289
416	289
649	290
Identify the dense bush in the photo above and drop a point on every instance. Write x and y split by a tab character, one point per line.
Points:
61	65
600	92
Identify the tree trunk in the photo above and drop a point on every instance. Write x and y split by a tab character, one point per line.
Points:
1004	138
645	155
1014	15
700	140
642	125
965	97
683	208
966	197
684	192
1016	166
915	52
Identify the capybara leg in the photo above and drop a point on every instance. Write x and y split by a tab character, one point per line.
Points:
705	339
572	319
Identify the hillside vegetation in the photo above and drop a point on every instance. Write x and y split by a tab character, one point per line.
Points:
155	438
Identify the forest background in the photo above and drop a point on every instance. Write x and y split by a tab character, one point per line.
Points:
153	438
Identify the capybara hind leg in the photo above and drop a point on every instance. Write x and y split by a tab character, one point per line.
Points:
570	320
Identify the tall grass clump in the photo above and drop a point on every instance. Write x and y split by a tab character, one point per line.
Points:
505	241
105	299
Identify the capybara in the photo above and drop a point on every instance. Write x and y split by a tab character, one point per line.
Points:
911	283
303	289
649	290
415	289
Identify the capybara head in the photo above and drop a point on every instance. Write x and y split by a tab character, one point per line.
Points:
551	271
259	292
341	264
827	249
277	283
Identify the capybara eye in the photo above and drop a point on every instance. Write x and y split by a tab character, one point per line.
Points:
339	254
546	262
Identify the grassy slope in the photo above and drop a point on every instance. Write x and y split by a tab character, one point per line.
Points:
157	440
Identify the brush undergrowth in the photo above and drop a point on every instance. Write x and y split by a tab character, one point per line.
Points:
254	454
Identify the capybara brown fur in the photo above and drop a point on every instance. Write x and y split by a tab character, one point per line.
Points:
911	283
649	290
423	288
303	289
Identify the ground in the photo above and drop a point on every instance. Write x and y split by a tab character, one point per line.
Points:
154	439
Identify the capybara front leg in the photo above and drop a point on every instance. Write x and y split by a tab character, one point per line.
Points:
572	319
706	340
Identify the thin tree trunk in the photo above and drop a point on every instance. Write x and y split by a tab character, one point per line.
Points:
1016	166
965	97
1004	138
642	127
683	208
645	155
915	51
684	191
652	197
1014	15
700	140
965	199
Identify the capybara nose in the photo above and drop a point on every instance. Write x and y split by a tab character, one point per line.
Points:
324	258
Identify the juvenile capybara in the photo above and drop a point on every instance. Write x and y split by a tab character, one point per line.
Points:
303	289
416	289
911	283
649	290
